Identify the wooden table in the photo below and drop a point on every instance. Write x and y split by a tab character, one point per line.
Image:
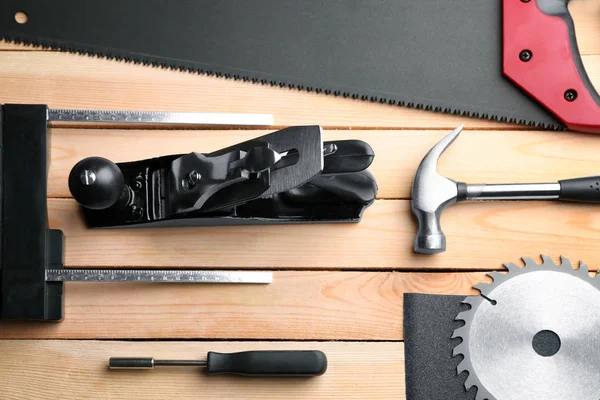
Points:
337	288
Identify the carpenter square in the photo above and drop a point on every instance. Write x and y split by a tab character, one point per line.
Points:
31	255
432	193
507	60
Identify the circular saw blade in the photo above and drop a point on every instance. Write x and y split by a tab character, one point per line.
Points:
531	334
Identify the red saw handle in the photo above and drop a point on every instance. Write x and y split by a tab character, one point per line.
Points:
541	56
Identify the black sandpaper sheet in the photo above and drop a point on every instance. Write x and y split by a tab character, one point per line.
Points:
436	54
430	368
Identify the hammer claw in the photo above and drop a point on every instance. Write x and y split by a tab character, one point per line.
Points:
437	150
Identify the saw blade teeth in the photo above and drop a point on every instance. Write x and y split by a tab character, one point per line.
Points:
470	381
461	316
461	367
566	263
529	263
484	288
460	351
459	333
513	268
583	270
481	395
497	276
583	267
470	300
548	261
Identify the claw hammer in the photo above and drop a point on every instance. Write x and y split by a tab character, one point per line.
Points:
432	193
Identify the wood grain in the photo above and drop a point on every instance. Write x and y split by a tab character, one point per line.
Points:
476	157
71	81
297	305
68	370
318	303
480	236
586	16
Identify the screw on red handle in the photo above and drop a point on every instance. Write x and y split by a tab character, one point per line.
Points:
541	56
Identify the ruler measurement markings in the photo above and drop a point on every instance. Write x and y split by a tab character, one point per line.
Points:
158	117
167	276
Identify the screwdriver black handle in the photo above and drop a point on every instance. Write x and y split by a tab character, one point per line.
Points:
586	189
272	362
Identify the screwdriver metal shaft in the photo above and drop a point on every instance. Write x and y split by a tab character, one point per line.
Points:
149	363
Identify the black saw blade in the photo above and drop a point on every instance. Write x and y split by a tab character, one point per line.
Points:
437	55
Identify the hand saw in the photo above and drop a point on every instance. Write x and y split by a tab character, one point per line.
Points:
448	56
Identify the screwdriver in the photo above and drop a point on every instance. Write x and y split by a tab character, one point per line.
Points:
267	362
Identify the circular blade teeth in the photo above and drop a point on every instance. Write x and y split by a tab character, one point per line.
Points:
469	300
461	367
566	263
591	274
481	396
497	277
470	382
547	260
458	333
584	271
514	268
485	288
529	262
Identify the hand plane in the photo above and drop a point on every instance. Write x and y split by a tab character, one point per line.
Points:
288	176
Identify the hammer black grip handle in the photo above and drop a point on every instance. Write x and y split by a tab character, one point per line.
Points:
585	189
283	363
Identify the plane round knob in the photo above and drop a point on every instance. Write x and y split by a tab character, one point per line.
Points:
96	183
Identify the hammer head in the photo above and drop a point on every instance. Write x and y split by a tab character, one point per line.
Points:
431	194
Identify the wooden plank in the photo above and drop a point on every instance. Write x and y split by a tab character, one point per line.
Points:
586	16
480	236
40	370
477	156
72	81
297	305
